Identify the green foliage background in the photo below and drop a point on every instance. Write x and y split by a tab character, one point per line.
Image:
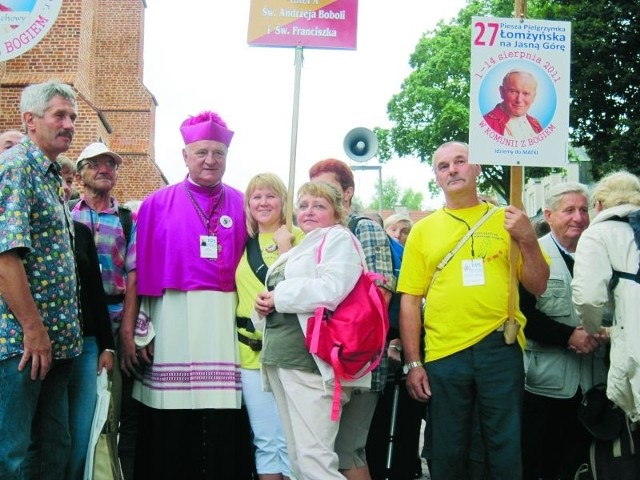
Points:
433	104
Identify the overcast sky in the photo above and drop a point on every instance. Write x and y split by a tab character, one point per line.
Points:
197	58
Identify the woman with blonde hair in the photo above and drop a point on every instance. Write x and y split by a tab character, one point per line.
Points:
264	202
297	284
398	226
606	247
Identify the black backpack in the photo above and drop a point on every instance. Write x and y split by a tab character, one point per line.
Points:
617	459
633	219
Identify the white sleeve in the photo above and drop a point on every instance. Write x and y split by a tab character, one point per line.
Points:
591	276
325	284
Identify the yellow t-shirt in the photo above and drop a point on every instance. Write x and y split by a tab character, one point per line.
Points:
460	309
248	286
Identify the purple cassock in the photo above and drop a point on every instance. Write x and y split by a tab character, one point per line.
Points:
169	231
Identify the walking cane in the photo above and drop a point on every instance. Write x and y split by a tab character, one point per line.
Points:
392	427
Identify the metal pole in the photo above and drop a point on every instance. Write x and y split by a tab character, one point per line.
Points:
294	136
392	426
380	191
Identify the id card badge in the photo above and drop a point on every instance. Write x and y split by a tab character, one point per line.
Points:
208	246
472	272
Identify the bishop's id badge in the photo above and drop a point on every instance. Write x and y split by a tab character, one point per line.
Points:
208	246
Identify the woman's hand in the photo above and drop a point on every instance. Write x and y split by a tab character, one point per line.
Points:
395	354
264	304
283	239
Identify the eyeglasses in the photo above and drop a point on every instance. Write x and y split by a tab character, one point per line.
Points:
95	164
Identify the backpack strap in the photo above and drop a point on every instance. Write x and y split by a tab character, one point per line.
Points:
124	213
353	223
633	220
354	240
127	222
256	262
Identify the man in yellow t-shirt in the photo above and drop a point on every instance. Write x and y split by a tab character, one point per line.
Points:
467	359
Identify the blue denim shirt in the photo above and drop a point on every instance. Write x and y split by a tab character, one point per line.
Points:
35	222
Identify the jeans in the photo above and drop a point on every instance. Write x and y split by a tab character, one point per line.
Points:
268	435
34	421
82	404
489	374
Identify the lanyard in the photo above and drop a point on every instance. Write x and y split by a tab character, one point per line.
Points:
206	219
473	255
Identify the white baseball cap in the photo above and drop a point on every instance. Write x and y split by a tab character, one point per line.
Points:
94	150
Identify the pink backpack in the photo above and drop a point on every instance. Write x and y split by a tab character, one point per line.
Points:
351	339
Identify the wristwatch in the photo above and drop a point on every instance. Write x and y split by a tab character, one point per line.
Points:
407	367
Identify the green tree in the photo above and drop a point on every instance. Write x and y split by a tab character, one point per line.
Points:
393	195
412	200
605	93
390	194
433	104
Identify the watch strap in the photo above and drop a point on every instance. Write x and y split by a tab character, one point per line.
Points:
411	365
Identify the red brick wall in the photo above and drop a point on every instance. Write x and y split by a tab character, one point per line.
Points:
96	46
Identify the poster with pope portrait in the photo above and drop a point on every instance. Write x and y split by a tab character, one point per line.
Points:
519	102
24	23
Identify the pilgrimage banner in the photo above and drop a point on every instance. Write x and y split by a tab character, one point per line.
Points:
23	23
330	24
519	102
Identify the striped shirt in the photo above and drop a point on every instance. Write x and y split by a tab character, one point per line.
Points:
115	256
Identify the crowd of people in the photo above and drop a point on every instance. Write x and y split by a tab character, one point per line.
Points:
197	305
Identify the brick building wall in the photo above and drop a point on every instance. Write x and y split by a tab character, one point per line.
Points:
96	46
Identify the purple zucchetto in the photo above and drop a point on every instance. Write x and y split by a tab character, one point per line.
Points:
205	126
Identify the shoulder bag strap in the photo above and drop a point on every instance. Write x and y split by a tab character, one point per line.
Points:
443	263
254	257
354	240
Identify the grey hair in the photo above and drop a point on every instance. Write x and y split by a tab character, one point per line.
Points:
66	164
35	98
556	192
446	144
397	218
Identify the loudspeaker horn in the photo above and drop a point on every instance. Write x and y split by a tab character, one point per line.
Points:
360	144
